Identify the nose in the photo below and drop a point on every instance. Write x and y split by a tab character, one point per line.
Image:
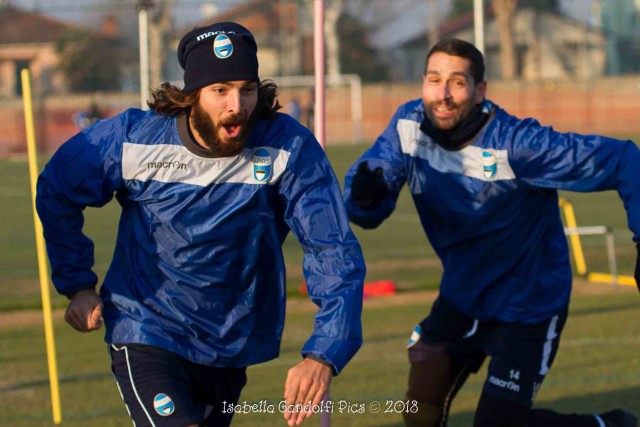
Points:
233	101
444	93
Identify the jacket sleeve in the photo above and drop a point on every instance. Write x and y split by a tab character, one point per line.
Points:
545	158
333	263
82	173
386	153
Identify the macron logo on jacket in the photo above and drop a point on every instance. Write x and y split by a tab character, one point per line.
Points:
174	163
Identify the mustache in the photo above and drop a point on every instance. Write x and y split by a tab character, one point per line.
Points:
449	104
234	119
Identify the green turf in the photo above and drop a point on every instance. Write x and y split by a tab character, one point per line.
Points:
597	368
389	250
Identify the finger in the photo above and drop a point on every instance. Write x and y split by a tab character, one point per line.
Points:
317	398
303	392
290	391
305	398
312	400
95	319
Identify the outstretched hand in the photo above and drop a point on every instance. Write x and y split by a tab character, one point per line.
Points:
368	188
84	312
306	383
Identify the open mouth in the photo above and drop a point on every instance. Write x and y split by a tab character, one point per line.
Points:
232	129
444	111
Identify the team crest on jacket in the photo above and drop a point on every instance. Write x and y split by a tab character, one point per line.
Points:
489	164
163	405
222	46
262	165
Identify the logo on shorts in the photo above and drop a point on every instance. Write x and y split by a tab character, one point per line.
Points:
489	164
261	165
415	336
222	46
163	405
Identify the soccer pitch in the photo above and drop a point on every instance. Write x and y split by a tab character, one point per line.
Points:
597	368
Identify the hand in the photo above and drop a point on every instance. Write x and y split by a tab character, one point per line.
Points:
636	274
84	312
368	188
306	383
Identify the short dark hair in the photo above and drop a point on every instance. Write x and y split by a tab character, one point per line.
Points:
463	49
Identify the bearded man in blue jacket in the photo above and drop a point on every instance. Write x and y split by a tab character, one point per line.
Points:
210	181
485	187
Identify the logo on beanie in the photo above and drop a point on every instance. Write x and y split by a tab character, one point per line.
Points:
222	46
261	165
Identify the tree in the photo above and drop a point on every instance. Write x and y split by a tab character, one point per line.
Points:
461	7
504	10
160	20
332	12
90	62
356	55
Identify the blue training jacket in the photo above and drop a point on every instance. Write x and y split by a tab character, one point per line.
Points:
490	210
198	267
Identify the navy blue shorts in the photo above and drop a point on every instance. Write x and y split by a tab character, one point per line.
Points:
521	354
163	389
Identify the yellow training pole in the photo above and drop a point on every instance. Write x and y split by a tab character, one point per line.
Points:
574	238
40	248
608	278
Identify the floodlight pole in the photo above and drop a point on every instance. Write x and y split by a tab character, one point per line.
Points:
318	57
143	35
319	116
478	24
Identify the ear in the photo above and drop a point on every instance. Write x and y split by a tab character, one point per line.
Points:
481	91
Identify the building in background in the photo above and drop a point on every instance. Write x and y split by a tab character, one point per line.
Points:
620	22
282	29
60	56
28	40
548	46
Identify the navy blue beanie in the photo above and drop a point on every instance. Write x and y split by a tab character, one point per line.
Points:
221	52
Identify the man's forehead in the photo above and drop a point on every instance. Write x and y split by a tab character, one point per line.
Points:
442	63
236	83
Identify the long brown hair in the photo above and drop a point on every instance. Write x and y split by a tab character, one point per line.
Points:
169	100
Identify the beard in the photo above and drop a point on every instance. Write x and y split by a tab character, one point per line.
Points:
461	112
210	132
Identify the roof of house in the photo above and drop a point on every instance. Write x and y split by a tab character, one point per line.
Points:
243	14
20	26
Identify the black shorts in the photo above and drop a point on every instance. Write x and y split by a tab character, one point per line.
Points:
521	354
161	388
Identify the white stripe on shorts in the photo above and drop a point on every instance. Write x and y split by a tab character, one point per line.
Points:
473	330
546	354
133	384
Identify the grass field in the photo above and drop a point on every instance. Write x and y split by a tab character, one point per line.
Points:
396	250
597	368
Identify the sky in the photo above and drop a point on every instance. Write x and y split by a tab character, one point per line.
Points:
90	12
190	11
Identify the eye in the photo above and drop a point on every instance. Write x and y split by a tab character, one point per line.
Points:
249	90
